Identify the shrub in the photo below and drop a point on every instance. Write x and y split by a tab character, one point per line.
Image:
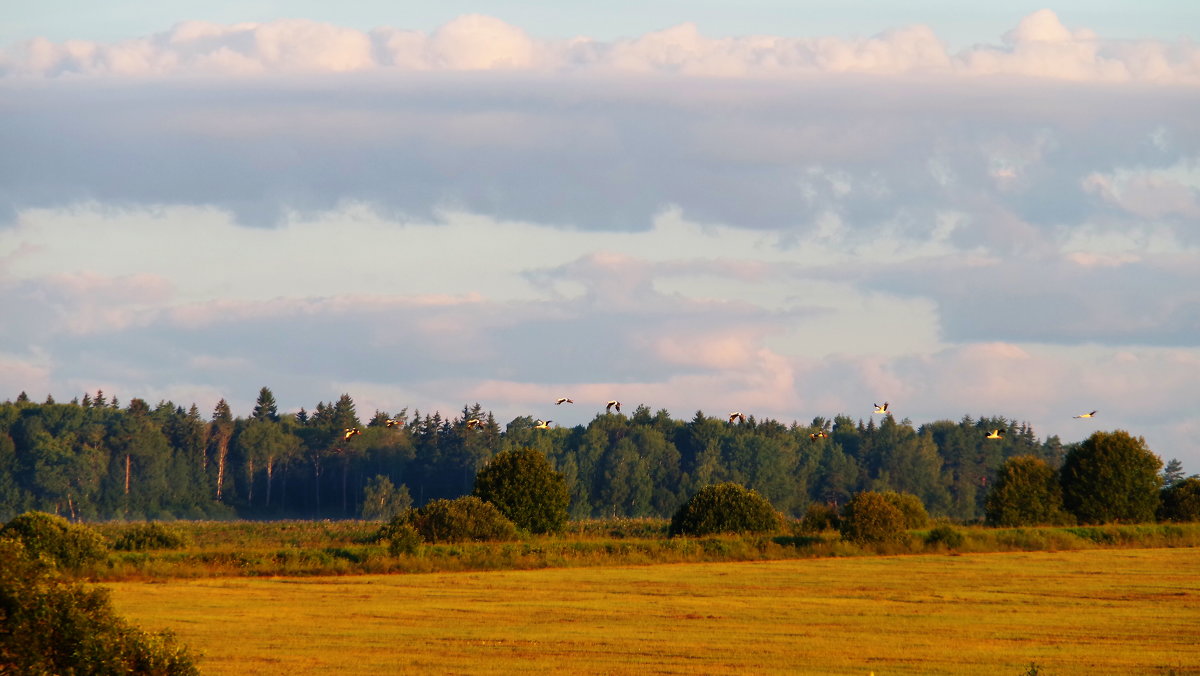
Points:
819	517
725	508
1181	501
946	536
145	536
1026	493
910	507
404	539
69	545
461	520
54	625
523	485
870	517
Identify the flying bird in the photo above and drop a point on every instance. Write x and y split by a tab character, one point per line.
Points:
1085	415
611	404
881	409
564	400
995	434
737	416
350	432
543	424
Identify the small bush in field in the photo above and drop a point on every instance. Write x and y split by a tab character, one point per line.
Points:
870	517
463	519
725	508
947	536
69	545
911	507
819	517
147	536
404	540
51	624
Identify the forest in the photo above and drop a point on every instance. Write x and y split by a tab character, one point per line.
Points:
94	459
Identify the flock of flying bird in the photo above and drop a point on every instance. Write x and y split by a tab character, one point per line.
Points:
737	416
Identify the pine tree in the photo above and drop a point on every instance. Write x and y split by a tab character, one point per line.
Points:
265	408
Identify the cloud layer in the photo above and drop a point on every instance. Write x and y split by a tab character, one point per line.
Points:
1040	46
786	226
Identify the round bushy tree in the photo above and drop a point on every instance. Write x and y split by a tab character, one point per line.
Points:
1111	476
50	624
526	488
69	545
819	516
461	520
143	536
870	517
1181	501
910	507
725	508
1026	492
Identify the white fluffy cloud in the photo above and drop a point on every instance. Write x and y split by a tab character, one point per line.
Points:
1040	46
788	226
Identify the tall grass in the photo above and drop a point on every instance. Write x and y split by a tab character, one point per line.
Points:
306	548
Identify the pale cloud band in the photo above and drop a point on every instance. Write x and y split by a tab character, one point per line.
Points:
1039	46
787	226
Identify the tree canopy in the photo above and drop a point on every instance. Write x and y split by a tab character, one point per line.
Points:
1109	477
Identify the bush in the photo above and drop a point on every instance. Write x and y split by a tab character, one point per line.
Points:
1026	493
819	517
461	520
404	540
54	625
1111	477
910	507
524	486
870	517
1181	501
69	545
946	536
725	508
146	536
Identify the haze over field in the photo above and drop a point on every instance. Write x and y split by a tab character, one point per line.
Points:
785	210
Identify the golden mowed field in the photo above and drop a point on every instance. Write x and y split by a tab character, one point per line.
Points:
1116	611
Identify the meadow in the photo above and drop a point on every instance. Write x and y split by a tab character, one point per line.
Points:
1094	611
316	548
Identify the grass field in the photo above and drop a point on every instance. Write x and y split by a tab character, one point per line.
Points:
1097	611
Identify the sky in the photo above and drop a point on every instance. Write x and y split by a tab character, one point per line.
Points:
786	209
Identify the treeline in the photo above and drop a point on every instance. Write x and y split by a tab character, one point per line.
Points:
95	459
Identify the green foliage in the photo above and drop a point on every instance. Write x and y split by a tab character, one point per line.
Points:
148	536
382	500
403	539
1109	477
946	536
910	506
526	488
819	516
1181	501
1026	492
725	508
69	545
461	520
871	518
50	624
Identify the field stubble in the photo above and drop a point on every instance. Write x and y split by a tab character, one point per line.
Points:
1097	611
